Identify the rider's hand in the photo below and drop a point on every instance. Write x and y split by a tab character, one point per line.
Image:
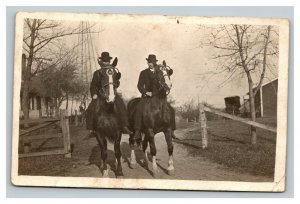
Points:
95	96
149	93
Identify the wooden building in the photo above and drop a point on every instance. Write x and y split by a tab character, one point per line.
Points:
265	100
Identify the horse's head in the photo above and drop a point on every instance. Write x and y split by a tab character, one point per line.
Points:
163	74
110	77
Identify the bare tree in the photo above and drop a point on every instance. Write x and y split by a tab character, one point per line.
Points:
39	36
243	50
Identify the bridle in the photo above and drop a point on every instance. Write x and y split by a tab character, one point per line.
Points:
159	79
109	71
167	69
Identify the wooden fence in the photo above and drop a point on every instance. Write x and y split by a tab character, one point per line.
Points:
203	122
26	137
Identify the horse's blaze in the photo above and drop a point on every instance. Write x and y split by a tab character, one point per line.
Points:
111	93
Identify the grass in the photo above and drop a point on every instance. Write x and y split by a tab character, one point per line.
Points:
229	145
52	165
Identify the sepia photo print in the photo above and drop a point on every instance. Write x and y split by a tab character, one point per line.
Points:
150	102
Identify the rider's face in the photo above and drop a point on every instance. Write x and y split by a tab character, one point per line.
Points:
151	65
106	63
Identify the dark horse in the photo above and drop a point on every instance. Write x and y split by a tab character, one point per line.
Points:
155	118
107	121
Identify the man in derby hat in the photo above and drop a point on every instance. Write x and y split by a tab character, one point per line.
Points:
104	62
145	87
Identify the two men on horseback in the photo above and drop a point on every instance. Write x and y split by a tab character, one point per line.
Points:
150	114
145	87
105	63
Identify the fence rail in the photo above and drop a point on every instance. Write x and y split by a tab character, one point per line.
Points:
242	120
25	137
35	121
203	122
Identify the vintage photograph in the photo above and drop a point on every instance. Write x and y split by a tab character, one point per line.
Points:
150	102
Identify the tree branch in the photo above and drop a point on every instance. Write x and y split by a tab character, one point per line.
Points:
264	61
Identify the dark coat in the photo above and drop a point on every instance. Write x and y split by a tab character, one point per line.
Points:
145	83
96	82
146	80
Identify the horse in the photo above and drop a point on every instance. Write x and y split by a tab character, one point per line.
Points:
155	118
108	124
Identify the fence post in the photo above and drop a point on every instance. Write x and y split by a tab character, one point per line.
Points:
64	121
203	127
76	118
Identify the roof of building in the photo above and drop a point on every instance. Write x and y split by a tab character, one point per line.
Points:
266	83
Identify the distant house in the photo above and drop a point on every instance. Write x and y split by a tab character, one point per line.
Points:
40	105
265	100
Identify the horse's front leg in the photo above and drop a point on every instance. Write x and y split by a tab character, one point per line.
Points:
150	135
145	145
103	147
117	148
168	137
132	162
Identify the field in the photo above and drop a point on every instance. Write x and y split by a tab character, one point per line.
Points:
229	145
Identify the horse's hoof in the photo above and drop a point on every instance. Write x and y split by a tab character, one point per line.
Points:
146	165
120	175
155	173
171	172
132	165
105	174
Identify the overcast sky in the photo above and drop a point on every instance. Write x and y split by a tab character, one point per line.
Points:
178	44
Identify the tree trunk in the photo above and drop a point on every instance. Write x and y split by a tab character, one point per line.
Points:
56	107
25	102
67	102
252	111
27	73
72	105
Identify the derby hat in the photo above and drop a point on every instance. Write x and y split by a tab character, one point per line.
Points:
152	59
105	57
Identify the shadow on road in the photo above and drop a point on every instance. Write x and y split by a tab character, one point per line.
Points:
126	152
95	158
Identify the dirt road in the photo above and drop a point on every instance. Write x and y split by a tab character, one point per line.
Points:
86	161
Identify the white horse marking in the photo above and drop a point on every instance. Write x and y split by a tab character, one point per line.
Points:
171	163
154	164
111	93
167	78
